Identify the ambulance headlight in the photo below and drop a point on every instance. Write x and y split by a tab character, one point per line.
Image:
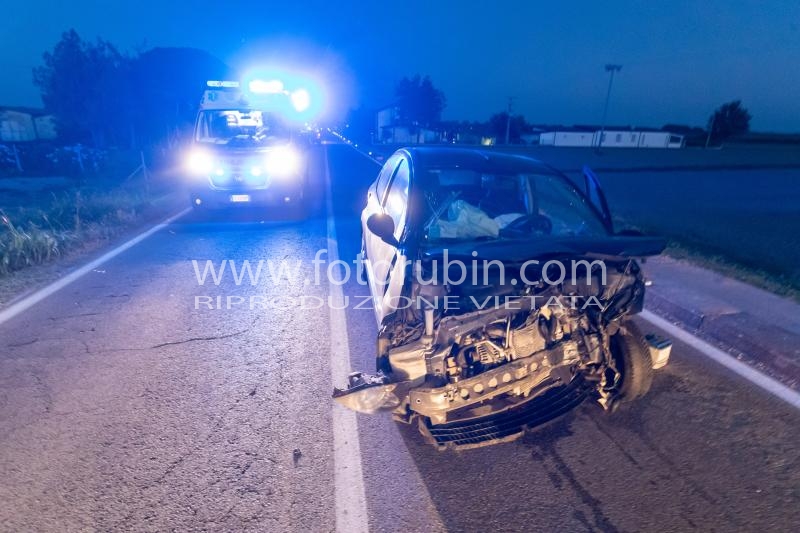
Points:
301	100
283	161
199	162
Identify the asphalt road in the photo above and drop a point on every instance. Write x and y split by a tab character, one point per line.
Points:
127	404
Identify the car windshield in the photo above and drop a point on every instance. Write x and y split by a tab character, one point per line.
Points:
466	204
241	127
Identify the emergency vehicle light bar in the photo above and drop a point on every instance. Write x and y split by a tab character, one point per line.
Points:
266	87
223	83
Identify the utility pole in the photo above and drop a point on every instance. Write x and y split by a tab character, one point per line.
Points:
611	69
508	119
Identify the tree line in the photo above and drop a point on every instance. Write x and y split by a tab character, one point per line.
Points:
105	97
419	104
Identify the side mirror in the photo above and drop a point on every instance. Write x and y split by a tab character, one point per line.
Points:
596	196
382	225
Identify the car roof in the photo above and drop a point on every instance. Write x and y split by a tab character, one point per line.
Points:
474	158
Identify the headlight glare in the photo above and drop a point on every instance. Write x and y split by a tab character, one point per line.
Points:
301	100
199	162
282	161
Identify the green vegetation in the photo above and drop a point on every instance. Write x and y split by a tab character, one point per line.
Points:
743	223
729	120
34	233
778	284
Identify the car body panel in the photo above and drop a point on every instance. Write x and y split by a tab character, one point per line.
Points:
479	373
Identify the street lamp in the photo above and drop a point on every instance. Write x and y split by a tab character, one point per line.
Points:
611	69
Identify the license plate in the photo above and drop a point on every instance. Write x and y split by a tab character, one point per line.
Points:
238	198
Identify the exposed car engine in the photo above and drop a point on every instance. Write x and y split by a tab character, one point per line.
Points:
493	348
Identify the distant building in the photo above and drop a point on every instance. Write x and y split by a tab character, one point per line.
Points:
612	139
22	124
391	132
661	139
567	138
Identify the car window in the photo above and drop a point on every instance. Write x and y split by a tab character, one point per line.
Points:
567	210
396	203
458	197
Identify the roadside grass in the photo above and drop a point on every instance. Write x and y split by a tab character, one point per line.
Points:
743	224
751	275
42	228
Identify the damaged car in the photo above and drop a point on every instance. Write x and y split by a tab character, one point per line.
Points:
503	297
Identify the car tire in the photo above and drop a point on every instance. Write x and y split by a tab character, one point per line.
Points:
632	358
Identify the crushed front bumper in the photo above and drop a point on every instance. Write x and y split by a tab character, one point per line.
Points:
506	425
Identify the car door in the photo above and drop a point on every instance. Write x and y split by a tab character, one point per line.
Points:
387	196
375	196
396	206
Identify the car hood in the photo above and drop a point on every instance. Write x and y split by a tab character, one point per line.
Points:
518	250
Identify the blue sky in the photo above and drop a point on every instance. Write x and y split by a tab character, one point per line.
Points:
680	59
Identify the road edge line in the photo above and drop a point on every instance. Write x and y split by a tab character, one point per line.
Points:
759	379
349	494
29	301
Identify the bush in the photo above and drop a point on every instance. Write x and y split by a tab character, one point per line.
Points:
8	162
36	235
77	160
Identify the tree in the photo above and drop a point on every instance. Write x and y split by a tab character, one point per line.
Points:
419	103
729	120
497	127
167	84
84	85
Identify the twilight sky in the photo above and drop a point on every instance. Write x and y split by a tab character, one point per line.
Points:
680	58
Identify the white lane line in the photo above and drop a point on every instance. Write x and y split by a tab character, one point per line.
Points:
18	307
744	370
348	477
372	159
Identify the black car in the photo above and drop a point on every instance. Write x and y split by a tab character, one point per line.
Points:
502	293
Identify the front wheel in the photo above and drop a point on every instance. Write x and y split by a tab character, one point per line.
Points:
632	358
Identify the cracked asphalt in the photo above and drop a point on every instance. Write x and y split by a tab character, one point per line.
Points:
125	407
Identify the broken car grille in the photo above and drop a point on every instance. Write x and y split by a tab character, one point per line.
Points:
512	423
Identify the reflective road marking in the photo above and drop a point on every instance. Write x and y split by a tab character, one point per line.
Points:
16	308
744	370
351	501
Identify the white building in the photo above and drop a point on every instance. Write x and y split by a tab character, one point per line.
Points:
612	139
660	139
22	124
390	132
567	138
617	139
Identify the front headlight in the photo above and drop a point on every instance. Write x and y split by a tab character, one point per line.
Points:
199	162
367	394
283	161
301	100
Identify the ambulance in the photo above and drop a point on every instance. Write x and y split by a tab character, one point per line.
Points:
248	146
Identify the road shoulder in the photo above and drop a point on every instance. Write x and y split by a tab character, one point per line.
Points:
753	325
